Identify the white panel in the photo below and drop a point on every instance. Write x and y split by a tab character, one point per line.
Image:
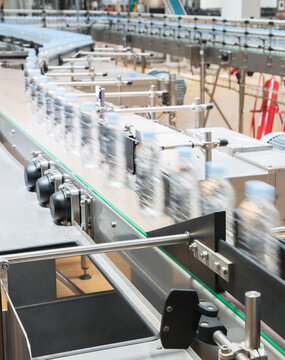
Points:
238	9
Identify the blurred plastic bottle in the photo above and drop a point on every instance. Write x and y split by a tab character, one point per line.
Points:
58	115
149	175
257	215
71	128
28	69
36	73
88	120
49	108
40	90
217	194
115	158
184	189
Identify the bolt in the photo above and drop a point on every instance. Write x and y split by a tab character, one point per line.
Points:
217	265
159	348
113	224
204	324
166	328
193	247
5	266
210	308
204	255
225	349
224	270
169	308
13	131
14	146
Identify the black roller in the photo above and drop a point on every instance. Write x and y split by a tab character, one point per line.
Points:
60	207
44	189
31	175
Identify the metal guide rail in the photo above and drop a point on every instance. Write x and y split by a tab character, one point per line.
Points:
254	45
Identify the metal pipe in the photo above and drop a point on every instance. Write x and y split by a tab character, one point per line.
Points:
91	83
97	248
252	319
152	99
221	340
172	97
71	60
119	82
116	53
202	76
162	108
75	74
67	67
208	150
241	99
198	118
126	94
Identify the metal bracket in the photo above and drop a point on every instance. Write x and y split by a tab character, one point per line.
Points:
213	260
4	265
85	208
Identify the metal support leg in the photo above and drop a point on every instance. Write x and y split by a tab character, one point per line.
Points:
241	99
84	267
212	95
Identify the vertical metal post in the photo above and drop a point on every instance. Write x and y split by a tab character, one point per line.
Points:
208	150
119	79
198	114
72	70
102	97
152	100
143	62
172	97
135	62
252	319
241	99
202	75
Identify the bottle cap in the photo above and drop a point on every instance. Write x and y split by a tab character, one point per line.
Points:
71	97
259	188
60	91
215	168
112	117
89	106
184	152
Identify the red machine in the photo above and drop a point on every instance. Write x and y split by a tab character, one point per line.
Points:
268	110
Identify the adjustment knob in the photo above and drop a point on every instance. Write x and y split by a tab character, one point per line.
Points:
60	207
44	189
31	175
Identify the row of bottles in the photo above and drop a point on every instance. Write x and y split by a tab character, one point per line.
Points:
100	142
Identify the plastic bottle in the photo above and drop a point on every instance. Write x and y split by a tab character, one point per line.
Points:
40	91
49	108
88	121
58	115
115	158
149	175
217	194
71	128
36	73
257	215
28	69
183	188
